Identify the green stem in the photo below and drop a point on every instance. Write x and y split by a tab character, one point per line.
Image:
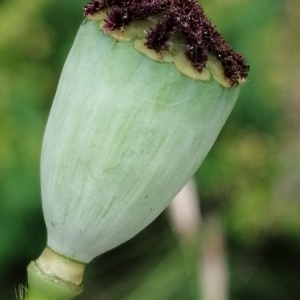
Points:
43	287
54	277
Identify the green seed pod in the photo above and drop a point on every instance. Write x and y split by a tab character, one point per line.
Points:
125	134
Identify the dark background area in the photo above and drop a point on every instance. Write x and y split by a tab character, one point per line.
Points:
250	181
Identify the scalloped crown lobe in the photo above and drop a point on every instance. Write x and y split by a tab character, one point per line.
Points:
182	16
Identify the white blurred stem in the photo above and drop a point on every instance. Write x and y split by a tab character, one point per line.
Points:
185	216
213	267
184	213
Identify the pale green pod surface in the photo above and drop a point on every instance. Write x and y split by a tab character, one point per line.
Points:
124	135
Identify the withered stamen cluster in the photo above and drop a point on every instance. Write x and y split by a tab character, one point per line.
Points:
183	16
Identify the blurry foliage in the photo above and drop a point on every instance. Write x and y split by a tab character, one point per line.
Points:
243	176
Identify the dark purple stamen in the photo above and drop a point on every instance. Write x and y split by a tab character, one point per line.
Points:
183	16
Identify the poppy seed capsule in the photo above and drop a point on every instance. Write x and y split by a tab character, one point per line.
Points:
124	135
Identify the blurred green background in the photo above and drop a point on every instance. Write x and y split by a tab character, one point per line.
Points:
249	183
